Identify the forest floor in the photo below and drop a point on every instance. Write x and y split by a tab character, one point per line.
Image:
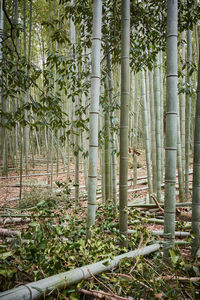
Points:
137	281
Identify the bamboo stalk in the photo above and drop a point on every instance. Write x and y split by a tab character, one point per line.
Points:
161	233
196	174
8	232
14	220
94	114
171	125
184	204
40	288
124	114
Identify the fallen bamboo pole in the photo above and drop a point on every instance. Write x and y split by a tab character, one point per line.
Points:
8	232
33	175
161	233
14	220
41	288
185	204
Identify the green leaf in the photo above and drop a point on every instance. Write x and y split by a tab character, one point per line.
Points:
74	296
7	273
174	256
106	263
5	255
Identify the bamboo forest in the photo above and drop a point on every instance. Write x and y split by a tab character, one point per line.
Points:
99	149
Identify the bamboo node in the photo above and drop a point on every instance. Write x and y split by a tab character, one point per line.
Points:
171	75
31	295
94	112
96	38
171	148
171	113
95	76
171	35
170	181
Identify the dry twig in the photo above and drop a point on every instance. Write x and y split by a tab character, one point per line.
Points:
157	204
102	294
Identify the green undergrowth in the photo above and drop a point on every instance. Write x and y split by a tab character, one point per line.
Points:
54	242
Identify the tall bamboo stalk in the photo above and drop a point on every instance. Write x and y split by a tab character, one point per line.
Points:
124	114
179	164
112	124
4	145
161	113
94	112
158	128
135	128
107	145
146	130
27	94
77	136
196	173
188	113
182	105
153	133
171	126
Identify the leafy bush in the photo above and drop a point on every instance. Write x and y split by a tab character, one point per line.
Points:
35	195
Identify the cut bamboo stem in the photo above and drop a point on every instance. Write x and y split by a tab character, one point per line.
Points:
35	290
161	233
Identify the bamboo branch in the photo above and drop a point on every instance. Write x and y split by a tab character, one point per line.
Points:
102	294
157	204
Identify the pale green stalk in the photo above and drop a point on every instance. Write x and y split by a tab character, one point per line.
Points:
135	129
39	289
146	131
94	113
179	164
153	133
107	146
124	115
171	126
161	114
158	128
196	174
112	124
182	105
188	114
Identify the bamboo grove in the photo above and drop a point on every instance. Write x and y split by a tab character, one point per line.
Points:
96	83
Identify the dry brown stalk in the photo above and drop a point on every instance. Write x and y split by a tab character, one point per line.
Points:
102	294
8	232
138	258
157	204
180	278
107	288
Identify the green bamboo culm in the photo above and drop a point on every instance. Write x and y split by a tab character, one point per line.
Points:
135	129
180	164
196	174
153	133
112	137
107	146
158	129
94	114
182	105
146	129
124	114
171	127
188	113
